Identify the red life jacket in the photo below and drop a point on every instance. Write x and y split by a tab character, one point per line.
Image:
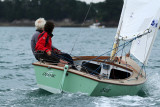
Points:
44	42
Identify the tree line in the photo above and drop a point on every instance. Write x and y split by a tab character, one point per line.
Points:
107	11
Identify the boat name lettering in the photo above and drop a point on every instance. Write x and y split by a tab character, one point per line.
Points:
105	90
46	74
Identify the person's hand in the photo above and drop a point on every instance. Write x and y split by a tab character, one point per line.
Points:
57	51
128	54
62	61
49	53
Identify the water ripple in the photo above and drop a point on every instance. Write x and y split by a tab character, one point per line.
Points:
5	62
9	76
17	78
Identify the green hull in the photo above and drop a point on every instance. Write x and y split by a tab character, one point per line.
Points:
52	81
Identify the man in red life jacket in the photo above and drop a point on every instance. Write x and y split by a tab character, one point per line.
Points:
44	47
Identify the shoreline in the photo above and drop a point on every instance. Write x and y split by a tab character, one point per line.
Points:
63	23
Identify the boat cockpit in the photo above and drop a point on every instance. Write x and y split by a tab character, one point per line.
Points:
108	71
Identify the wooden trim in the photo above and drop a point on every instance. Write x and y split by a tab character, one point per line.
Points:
89	57
93	78
102	57
47	66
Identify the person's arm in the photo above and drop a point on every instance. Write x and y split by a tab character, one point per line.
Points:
36	37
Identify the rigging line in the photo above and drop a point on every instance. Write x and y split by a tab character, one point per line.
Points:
120	45
96	71
140	71
127	43
124	44
146	49
143	66
108	58
122	51
147	31
110	51
92	71
126	56
145	71
87	13
82	25
138	36
118	50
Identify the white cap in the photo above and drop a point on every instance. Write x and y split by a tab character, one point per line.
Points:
39	23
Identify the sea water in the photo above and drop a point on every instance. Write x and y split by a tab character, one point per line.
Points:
17	78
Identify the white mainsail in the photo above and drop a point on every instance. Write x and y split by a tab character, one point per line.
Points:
138	17
141	47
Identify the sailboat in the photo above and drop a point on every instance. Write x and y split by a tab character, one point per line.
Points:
96	25
109	75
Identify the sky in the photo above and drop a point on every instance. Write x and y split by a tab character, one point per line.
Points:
95	1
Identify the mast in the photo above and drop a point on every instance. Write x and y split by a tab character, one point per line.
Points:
116	42
115	48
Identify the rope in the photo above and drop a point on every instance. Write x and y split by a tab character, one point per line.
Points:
96	71
82	25
140	71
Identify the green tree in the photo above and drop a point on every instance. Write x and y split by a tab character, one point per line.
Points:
58	10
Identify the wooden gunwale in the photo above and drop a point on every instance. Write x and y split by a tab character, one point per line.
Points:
99	59
109	81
